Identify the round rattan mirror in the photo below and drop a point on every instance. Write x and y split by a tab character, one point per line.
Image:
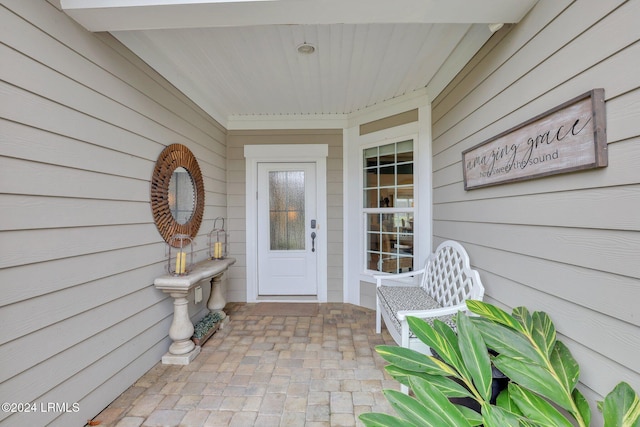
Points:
173	212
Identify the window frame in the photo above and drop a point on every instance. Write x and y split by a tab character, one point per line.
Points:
364	211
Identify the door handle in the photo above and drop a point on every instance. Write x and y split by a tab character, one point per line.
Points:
313	241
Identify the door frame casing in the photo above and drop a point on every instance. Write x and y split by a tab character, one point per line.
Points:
283	153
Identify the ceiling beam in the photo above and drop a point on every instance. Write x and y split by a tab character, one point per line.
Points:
120	15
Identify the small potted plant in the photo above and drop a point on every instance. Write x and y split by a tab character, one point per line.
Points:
542	376
203	330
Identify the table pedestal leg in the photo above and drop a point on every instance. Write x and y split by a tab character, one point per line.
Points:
182	350
181	328
216	300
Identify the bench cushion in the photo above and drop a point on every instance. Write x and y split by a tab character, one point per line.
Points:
397	298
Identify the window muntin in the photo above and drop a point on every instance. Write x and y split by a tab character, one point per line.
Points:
388	196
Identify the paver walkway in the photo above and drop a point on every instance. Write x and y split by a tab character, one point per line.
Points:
268	371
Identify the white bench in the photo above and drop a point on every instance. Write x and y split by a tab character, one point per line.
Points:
446	282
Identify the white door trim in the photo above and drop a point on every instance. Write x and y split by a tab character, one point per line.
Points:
254	154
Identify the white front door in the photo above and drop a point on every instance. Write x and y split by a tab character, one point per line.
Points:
287	233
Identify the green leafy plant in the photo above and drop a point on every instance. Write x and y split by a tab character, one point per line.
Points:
541	370
205	324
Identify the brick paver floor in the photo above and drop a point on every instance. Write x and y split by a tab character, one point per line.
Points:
268	371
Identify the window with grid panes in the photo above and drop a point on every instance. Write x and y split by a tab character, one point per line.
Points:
389	207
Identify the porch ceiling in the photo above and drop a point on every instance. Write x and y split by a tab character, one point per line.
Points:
239	59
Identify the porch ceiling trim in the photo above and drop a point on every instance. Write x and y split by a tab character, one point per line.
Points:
119	15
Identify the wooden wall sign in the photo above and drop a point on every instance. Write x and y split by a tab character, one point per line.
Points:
567	138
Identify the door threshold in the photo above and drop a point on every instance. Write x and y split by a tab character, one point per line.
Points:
286	298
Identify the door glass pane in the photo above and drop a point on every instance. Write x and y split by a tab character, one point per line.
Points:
286	210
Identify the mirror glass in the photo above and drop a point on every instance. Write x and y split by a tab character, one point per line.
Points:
182	195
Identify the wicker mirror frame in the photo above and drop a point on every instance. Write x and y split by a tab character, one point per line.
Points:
171	158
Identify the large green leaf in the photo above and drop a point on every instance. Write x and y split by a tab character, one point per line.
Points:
474	418
584	411
437	403
448	334
504	401
494	314
621	407
411	360
536	408
424	331
524	422
522	315
508	342
452	338
374	419
565	366
401	375
445	384
536	378
448	387
495	416
413	410
427	334
445	330
475	355
409	408
544	332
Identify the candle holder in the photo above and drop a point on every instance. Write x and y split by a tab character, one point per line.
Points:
179	254
218	240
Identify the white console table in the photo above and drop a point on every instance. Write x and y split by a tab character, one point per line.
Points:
182	351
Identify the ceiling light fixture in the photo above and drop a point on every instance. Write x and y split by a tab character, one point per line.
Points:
306	49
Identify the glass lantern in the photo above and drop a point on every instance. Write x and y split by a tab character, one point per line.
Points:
218	240
180	255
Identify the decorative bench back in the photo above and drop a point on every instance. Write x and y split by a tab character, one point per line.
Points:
448	276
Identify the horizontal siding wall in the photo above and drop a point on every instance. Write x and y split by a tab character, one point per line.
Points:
568	244
236	140
82	124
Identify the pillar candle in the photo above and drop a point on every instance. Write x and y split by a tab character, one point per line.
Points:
178	261
183	262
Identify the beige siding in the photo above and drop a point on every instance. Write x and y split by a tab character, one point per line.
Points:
568	244
237	283
82	123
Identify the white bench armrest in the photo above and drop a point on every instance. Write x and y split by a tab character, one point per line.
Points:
436	312
380	277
